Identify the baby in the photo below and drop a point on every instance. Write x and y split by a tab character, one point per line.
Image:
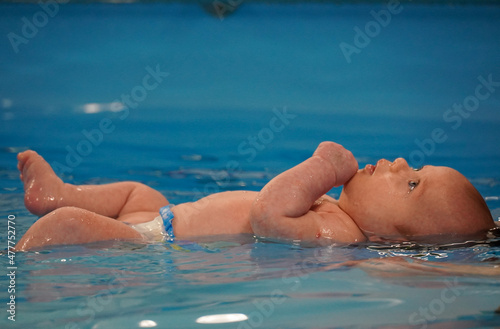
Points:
386	201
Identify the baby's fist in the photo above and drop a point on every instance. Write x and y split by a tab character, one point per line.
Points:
342	160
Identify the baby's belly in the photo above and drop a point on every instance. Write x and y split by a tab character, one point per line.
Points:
216	214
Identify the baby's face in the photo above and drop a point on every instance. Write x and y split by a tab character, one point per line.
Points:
392	200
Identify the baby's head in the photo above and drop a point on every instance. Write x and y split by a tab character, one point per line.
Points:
395	202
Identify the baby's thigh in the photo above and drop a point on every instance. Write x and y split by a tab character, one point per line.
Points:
71	225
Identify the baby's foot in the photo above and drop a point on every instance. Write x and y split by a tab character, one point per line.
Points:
42	187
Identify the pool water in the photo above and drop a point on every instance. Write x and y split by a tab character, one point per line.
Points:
191	102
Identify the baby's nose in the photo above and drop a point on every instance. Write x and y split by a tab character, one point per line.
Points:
399	164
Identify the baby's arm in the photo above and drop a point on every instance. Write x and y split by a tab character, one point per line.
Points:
282	208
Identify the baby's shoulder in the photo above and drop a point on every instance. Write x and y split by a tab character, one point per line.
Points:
336	224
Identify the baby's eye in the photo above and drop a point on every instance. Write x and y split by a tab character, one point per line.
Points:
412	184
417	169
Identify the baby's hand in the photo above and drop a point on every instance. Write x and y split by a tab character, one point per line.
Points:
342	160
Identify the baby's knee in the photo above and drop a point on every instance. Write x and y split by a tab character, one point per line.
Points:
64	215
68	211
61	226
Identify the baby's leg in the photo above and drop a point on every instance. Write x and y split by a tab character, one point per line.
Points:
44	192
70	225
